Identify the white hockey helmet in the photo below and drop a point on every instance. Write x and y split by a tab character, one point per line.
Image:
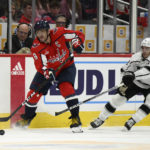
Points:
146	42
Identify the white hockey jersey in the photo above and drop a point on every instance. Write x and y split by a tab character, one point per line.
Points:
141	68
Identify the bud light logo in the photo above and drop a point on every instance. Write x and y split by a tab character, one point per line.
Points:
92	81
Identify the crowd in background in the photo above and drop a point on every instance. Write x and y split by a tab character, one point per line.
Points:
46	9
49	10
86	10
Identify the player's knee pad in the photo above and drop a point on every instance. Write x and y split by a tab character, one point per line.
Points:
71	101
34	100
66	89
147	100
118	100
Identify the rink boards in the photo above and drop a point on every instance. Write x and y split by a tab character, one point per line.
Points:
95	74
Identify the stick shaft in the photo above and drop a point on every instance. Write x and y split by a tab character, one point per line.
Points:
89	99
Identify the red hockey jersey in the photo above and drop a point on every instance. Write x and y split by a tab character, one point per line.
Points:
53	54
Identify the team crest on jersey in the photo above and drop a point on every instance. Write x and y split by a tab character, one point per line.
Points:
58	57
57	44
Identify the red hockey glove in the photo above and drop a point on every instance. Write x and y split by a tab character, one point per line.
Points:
77	45
49	73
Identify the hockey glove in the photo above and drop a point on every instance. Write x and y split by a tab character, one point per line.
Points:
77	45
128	78
49	73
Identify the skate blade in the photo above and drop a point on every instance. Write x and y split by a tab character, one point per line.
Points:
14	126
90	128
77	129
125	130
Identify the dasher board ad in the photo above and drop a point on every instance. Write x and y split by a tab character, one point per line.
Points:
94	75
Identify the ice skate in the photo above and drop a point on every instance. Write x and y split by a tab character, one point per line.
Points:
23	123
76	125
96	123
128	125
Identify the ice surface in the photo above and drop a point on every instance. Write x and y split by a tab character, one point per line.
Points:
103	138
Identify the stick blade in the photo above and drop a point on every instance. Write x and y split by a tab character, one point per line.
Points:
57	113
4	119
61	112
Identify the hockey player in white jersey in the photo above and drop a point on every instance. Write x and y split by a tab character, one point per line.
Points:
136	79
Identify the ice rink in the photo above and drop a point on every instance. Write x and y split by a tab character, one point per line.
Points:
104	138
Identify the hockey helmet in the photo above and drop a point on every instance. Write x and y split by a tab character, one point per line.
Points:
146	42
42	24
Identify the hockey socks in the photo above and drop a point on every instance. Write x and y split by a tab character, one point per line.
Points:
68	92
71	102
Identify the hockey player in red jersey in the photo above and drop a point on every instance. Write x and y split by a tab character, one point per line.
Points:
49	51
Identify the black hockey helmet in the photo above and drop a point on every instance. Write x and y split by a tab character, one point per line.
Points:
42	24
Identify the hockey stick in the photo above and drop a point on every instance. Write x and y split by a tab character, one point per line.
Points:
40	87
89	99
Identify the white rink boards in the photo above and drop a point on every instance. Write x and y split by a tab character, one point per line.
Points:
95	74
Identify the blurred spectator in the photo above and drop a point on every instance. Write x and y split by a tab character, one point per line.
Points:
19	6
62	21
89	9
3	10
143	3
122	11
41	9
66	9
142	15
4	13
27	13
3	17
54	6
13	9
21	42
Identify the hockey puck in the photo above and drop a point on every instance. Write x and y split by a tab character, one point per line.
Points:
2	132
